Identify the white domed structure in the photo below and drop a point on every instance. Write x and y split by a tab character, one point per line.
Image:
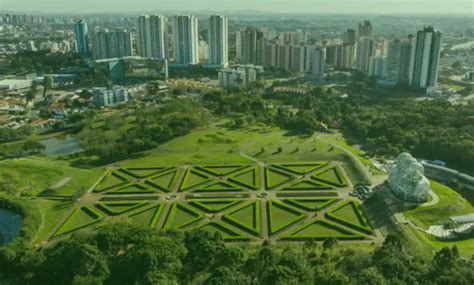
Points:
407	181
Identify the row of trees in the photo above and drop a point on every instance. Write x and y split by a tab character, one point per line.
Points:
126	254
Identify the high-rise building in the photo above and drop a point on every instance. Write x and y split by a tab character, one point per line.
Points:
107	44
365	49
301	58
318	62
247	45
405	59
348	51
152	38
218	41
82	37
425	58
394	60
284	57
365	29
186	40
378	66
349	36
271	55
398	60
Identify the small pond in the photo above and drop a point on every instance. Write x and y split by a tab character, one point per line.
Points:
10	225
60	146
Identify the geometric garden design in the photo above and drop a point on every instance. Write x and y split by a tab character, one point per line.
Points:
281	202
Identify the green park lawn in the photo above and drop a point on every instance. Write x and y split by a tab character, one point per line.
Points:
34	175
450	204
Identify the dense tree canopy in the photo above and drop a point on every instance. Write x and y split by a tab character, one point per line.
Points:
127	254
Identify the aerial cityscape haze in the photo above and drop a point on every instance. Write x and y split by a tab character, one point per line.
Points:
237	142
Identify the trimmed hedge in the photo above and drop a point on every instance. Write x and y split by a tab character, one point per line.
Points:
129	171
173	179
143	190
365	227
228	234
116	175
95	218
256	179
210	169
185	187
268	180
172	212
345	234
290	166
337	172
202	206
31	217
156	214
271	219
298	203
255	215
107	207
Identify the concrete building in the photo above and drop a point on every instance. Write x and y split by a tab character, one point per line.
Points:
284	57
318	62
365	50
186	40
425	59
240	75
82	37
218	41
247	45
270	55
104	97
107	44
398	60
301	58
378	66
152	37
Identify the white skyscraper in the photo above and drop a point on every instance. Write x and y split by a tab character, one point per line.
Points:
425	58
318	62
365	49
218	41
153	36
186	40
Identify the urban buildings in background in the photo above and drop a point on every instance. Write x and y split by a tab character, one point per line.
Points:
218	36
186	40
409	61
152	36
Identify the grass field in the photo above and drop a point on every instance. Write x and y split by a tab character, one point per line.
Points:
35	175
450	204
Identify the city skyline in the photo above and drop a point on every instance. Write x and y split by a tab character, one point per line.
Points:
445	7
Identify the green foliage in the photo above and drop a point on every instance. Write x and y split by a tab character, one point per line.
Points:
127	254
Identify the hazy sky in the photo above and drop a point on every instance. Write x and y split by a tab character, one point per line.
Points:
308	6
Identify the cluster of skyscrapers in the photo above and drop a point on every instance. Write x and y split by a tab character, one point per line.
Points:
412	61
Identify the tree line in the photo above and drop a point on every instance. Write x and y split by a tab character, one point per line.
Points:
127	254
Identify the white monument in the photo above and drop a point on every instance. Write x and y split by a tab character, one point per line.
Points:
407	181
